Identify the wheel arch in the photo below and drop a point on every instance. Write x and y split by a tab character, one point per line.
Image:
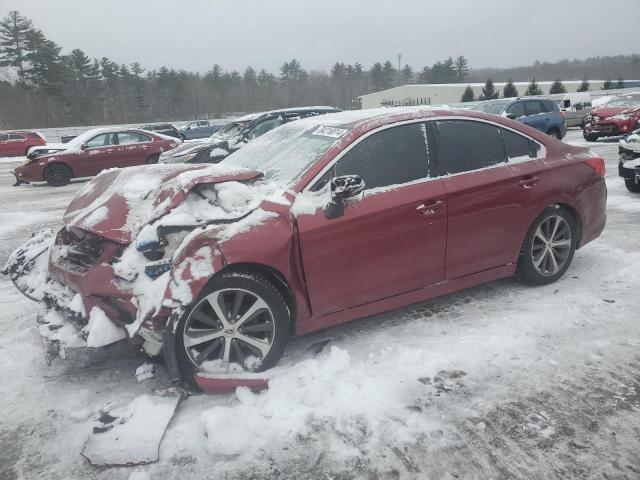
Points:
272	274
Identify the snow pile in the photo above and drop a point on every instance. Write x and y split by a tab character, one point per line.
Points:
144	372
101	331
332	390
307	203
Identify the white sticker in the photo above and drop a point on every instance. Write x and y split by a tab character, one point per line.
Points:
332	132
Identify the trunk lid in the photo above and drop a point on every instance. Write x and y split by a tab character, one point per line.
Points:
119	202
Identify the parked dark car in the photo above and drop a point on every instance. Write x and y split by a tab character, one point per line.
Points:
317	223
93	151
619	116
18	142
162	128
237	134
540	113
629	165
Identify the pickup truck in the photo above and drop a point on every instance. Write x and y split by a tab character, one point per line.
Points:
198	129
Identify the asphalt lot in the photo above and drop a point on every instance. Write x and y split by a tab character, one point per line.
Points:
499	381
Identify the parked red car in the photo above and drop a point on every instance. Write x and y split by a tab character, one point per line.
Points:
619	116
18	143
319	222
93	151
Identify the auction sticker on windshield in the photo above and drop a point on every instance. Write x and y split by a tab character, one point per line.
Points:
332	132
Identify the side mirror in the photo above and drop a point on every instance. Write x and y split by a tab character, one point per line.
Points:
84	146
511	116
343	188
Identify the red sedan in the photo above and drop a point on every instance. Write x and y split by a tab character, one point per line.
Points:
18	143
94	151
356	213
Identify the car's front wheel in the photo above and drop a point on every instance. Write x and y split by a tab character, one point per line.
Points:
57	175
632	185
590	137
548	248
239	321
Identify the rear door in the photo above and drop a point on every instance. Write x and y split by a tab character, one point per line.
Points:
134	148
16	144
536	115
390	241
492	195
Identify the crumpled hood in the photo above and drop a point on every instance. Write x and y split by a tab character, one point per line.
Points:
610	111
119	202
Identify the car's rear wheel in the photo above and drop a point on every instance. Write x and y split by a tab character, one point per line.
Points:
57	175
554	133
239	321
153	159
632	185
590	137
182	137
548	248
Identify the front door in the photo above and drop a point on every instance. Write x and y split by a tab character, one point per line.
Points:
99	154
387	243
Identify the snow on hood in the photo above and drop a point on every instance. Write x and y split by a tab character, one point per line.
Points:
606	111
118	203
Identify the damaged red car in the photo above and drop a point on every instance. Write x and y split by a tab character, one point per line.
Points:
317	223
618	116
92	152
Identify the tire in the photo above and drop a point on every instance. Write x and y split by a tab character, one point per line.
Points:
538	264
238	292
57	175
554	133
590	137
181	137
152	159
631	185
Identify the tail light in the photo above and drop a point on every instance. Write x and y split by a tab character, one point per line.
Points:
597	164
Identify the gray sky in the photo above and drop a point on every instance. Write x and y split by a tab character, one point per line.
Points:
195	34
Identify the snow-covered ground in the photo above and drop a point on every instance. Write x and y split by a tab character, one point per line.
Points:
501	381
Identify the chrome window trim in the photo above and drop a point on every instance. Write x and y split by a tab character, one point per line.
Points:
542	153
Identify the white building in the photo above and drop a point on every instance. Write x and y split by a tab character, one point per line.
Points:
451	93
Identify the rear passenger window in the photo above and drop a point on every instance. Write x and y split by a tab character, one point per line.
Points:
392	156
517	146
465	145
14	136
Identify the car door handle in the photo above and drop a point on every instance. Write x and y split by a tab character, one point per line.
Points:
528	182
428	208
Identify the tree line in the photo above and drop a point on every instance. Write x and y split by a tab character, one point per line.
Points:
53	88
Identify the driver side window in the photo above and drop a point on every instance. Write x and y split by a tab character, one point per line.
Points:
393	156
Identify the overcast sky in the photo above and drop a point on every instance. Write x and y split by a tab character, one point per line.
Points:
195	34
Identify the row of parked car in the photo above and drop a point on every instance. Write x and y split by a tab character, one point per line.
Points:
99	149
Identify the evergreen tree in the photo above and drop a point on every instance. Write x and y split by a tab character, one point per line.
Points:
462	68
406	75
388	74
449	70
468	95
584	86
620	83
14	33
425	75
45	68
249	77
533	88
510	90
488	91
607	85
557	87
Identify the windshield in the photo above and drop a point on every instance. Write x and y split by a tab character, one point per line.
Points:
624	101
83	138
491	107
285	152
229	130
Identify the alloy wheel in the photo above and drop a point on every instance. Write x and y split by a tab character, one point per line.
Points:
551	246
229	326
